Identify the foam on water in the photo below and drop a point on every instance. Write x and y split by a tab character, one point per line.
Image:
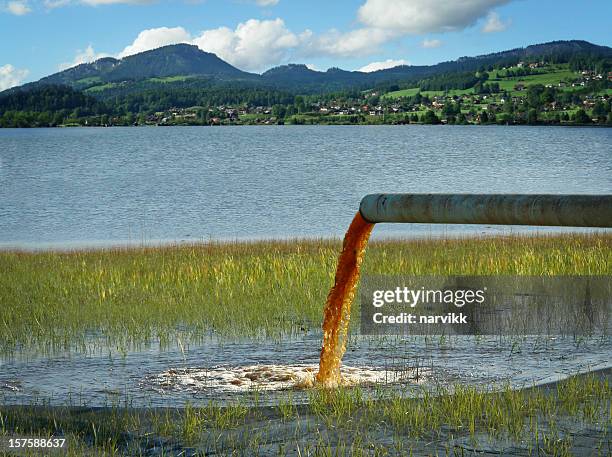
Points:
270	378
100	379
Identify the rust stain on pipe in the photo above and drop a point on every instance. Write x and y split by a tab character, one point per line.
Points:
490	209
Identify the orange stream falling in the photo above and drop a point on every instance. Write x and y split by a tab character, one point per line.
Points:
338	305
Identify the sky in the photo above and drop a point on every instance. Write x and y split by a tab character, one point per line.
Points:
41	37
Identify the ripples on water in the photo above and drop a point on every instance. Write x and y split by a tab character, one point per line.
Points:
73	187
151	377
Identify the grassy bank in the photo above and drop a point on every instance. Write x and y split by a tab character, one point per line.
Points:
571	417
57	300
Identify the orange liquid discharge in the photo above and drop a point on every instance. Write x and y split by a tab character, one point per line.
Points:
337	311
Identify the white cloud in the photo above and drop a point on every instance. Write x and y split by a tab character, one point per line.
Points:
255	44
313	67
18	7
252	45
11	76
428	44
386	20
357	42
155	38
83	56
424	16
389	63
494	24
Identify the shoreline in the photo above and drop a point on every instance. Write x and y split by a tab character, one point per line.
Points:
322	124
155	244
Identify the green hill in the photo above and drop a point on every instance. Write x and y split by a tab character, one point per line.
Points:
165	64
560	80
557	75
175	64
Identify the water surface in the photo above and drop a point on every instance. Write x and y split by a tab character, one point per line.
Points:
105	377
92	186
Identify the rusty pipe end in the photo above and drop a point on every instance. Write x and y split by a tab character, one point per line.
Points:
496	209
367	207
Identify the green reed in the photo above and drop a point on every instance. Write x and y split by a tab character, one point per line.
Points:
344	421
125	297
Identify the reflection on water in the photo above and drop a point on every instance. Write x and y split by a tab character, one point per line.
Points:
77	187
106	378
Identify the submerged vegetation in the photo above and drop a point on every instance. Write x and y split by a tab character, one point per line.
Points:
126	297
572	417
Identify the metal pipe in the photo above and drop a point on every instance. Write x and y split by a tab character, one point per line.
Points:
490	209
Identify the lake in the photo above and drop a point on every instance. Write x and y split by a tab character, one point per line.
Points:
95	186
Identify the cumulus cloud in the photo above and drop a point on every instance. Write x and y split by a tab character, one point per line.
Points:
256	44
431	43
252	45
83	56
11	76
18	7
357	42
424	16
155	38
389	63
494	24
385	20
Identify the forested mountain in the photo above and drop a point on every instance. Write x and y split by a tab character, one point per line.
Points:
300	77
52	98
555	51
178	63
168	61
561	76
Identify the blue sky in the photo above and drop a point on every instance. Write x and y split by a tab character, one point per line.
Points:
39	37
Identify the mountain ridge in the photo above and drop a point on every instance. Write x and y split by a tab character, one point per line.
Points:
165	61
188	61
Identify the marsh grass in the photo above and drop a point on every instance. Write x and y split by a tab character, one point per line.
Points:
126	297
287	407
517	415
344	421
342	402
212	416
